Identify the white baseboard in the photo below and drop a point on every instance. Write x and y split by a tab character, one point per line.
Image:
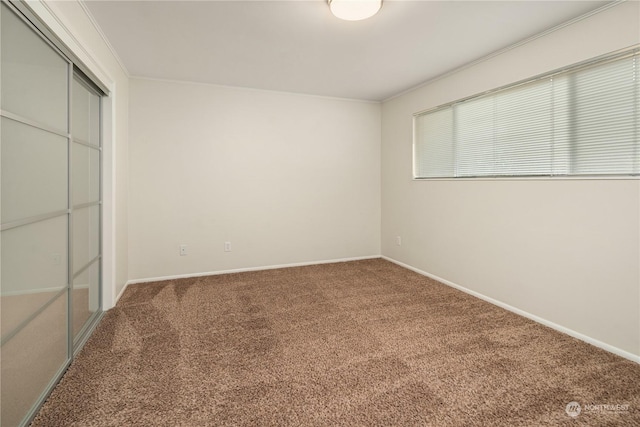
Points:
120	293
242	270
545	322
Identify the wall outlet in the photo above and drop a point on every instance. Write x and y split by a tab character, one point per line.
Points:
183	250
227	246
398	241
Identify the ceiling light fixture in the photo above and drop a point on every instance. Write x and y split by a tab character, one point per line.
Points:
354	10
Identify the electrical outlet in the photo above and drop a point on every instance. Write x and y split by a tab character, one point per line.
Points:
183	250
227	246
398	241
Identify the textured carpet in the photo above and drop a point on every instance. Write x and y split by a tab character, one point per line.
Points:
356	344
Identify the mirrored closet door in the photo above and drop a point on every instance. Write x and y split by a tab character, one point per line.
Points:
50	215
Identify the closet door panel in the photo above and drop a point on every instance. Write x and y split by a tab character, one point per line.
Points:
86	174
86	287
30	359
34	171
86	238
34	76
35	277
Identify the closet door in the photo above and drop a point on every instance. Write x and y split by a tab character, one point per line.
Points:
86	204
34	217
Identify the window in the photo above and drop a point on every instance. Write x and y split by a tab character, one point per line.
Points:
582	121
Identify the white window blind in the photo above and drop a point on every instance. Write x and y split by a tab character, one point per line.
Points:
582	121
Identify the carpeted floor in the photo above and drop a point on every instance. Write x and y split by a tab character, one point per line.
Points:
361	343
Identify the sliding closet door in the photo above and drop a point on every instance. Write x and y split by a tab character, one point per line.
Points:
35	217
85	173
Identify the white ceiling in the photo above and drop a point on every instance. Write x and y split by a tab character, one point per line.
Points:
298	46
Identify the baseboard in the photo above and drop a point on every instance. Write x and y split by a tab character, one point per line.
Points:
121	293
243	270
545	322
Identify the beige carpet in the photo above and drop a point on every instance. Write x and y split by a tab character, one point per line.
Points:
362	343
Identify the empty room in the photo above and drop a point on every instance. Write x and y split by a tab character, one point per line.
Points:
319	213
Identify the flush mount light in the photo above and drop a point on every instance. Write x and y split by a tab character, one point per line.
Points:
354	10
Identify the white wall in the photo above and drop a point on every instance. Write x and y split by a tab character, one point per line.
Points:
285	178
566	251
73	25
